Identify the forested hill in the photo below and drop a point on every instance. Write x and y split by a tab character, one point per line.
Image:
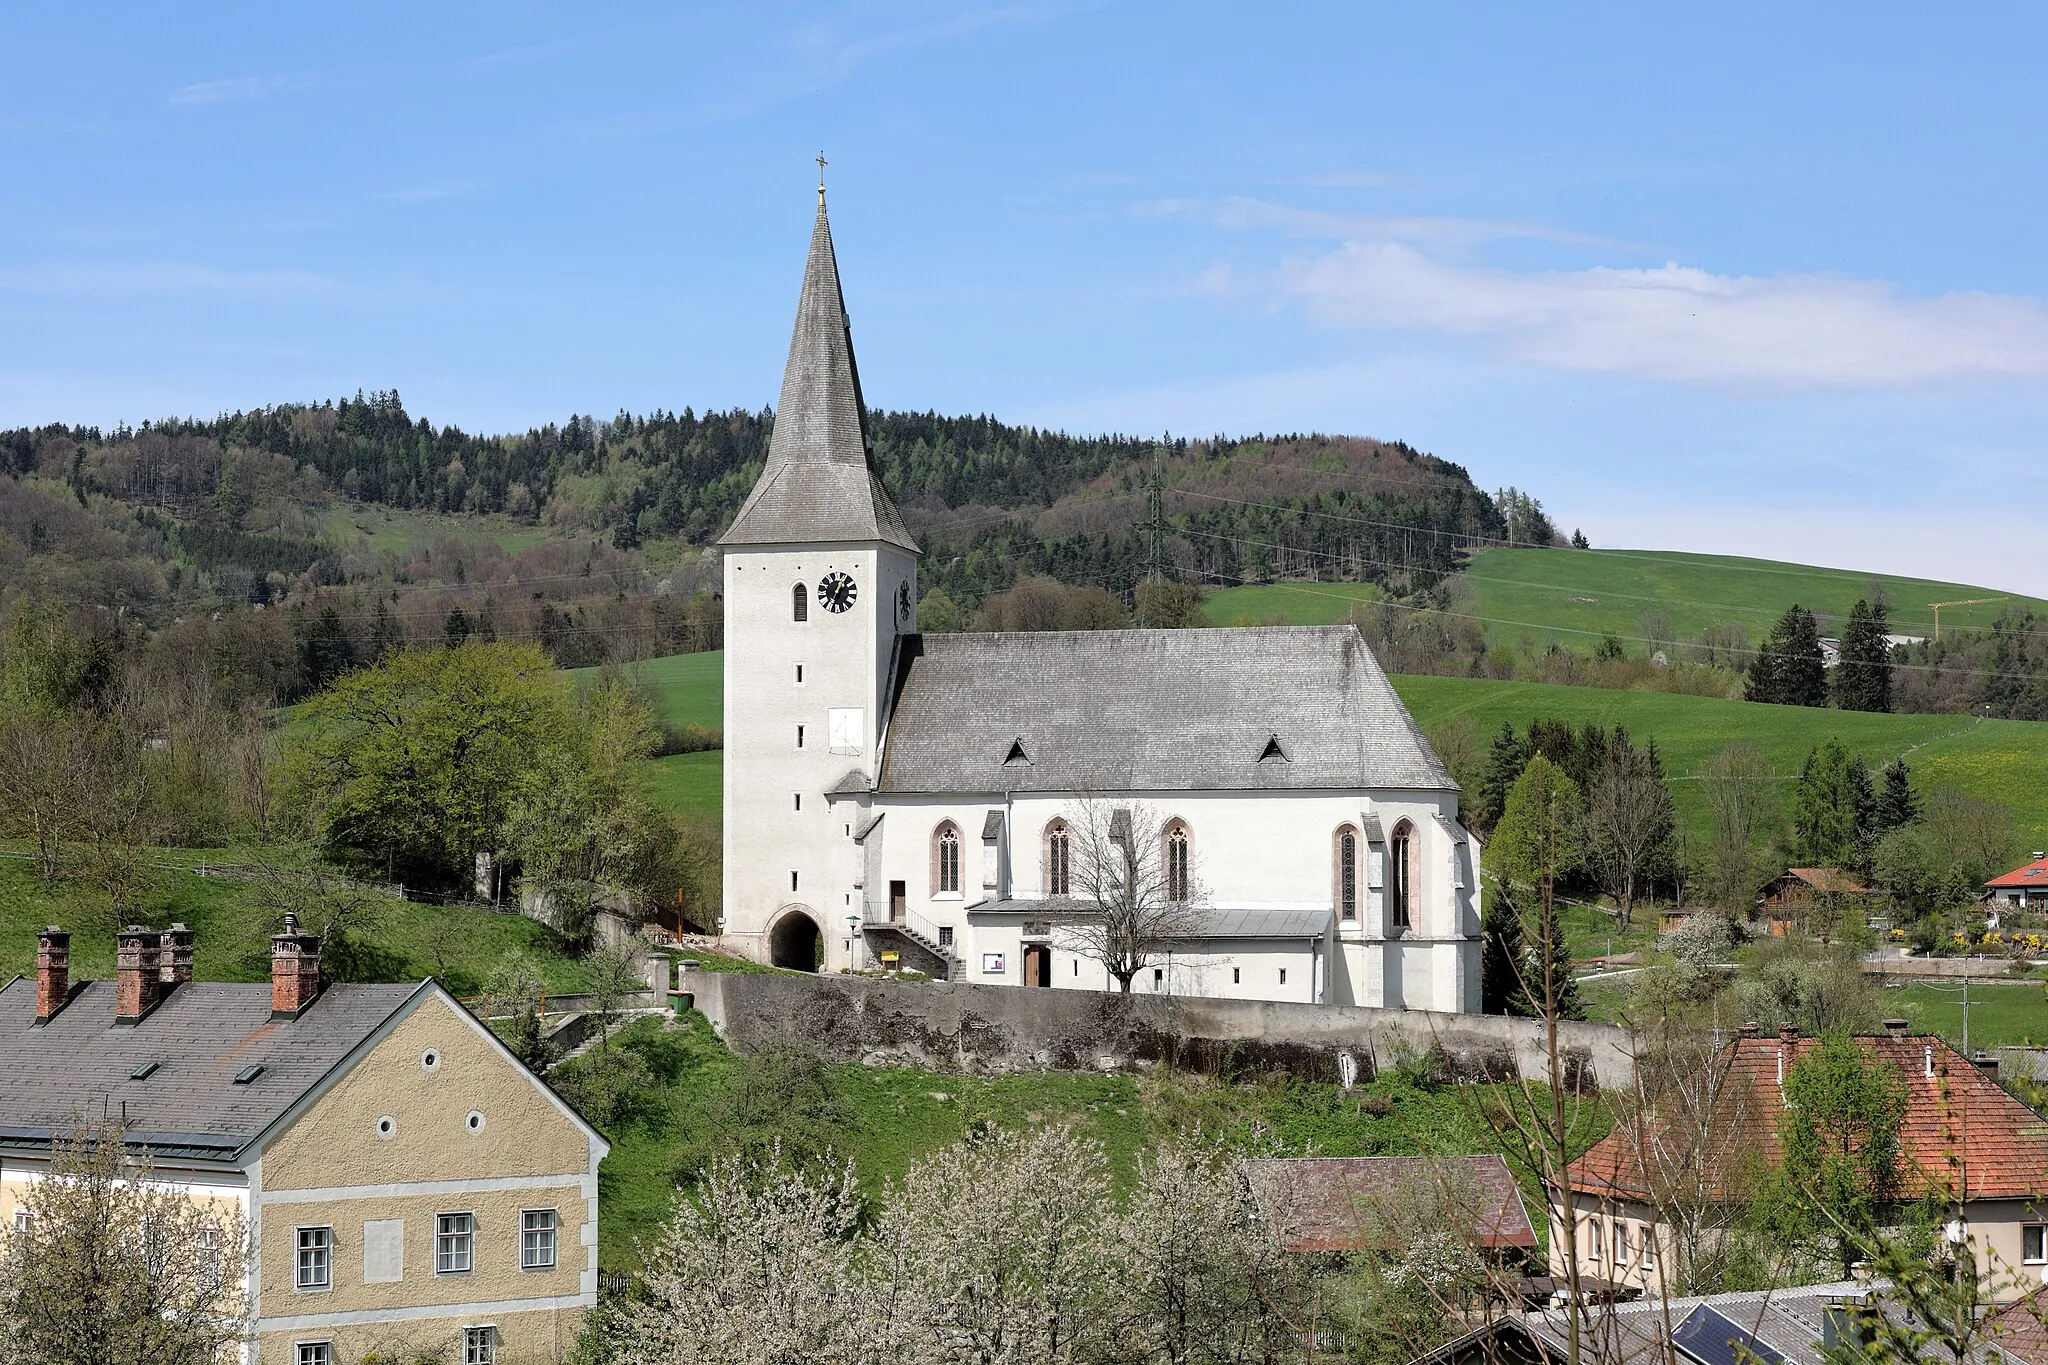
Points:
991	501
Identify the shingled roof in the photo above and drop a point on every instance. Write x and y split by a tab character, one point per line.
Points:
1152	710
819	483
1344	1203
1961	1132
197	1041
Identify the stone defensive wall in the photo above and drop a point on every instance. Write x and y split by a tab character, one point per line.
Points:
960	1026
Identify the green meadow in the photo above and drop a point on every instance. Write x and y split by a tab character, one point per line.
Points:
1575	596
1999	759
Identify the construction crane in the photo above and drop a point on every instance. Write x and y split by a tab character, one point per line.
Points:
1972	602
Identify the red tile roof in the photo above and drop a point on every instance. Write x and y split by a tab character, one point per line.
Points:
1341	1203
1961	1132
2033	874
2020	1328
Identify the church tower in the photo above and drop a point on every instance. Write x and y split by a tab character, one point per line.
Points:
820	585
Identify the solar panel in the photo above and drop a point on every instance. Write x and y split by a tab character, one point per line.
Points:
1710	1339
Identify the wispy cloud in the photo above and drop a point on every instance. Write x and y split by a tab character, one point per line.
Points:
1680	323
167	279
1444	234
230	92
421	194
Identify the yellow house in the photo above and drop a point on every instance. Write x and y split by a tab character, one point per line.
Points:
408	1184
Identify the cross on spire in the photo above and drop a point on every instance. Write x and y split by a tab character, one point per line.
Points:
821	177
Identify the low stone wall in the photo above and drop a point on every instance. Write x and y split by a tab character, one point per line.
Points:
967	1027
1976	968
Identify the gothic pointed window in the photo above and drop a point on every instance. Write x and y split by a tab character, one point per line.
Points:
1347	874
1059	859
1177	884
946	859
1401	876
799	603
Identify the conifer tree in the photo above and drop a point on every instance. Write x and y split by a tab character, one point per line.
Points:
1897	803
1500	954
1863	678
1504	763
1835	807
1788	670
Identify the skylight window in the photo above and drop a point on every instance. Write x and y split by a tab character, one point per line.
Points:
143	1072
247	1074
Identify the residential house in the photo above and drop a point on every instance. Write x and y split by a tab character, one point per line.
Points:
1789	898
2023	888
1963	1136
407	1183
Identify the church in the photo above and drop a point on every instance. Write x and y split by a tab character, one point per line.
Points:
936	803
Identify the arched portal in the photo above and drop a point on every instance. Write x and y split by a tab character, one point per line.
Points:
796	942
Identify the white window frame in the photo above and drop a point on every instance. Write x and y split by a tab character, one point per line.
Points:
2039	1233
313	1353
480	1344
531	1233
1592	1235
1622	1251
448	1242
1647	1232
325	1253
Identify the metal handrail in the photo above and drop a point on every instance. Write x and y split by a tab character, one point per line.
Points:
917	924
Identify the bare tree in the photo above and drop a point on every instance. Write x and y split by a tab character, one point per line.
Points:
1740	797
1628	818
1133	900
116	1265
47	763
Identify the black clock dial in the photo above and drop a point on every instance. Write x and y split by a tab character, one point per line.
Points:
836	592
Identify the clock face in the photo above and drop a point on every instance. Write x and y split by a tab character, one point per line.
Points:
836	592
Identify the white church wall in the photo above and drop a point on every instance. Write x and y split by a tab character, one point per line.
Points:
777	820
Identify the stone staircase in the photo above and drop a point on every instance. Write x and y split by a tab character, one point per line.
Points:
925	939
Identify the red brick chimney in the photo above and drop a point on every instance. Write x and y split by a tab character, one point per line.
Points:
1788	1032
294	970
136	956
53	972
174	957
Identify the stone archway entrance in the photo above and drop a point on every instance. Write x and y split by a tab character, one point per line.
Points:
796	942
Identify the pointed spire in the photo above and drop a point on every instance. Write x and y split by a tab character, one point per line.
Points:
819	483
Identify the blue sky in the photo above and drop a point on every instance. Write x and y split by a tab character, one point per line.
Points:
1761	279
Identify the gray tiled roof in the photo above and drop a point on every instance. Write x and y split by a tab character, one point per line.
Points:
200	1038
1152	711
818	483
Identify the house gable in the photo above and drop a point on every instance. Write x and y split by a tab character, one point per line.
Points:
432	1069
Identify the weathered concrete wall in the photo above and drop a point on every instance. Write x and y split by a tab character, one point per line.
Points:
1976	968
961	1026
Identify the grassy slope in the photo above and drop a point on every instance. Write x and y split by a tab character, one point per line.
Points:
232	933
889	1116
1574	596
403	530
1995	758
1298	604
2000	759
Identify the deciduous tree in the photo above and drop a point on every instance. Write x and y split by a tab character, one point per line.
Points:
1129	902
111	1264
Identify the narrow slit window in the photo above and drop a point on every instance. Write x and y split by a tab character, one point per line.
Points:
1401	876
799	736
946	879
799	603
1347	875
1177	863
